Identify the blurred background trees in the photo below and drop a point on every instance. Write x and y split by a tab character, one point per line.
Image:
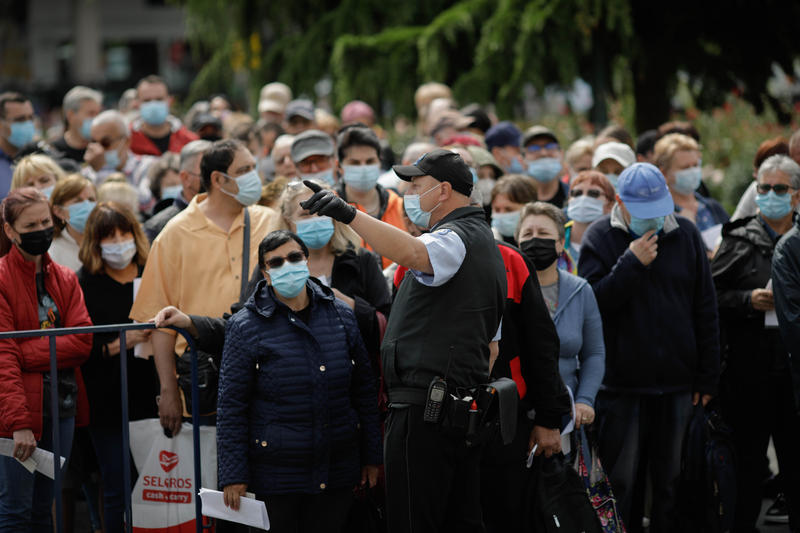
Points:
492	51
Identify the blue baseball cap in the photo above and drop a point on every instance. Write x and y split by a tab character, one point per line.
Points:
503	134
643	189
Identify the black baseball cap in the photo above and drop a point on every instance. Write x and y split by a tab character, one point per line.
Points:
442	165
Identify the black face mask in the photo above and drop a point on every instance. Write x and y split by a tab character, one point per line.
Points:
36	242
541	251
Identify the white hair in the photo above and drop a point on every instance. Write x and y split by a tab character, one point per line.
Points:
79	94
284	141
416	150
115	117
781	163
191	151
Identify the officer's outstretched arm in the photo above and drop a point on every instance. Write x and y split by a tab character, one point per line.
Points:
389	241
385	239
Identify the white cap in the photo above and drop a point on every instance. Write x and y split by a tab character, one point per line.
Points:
619	152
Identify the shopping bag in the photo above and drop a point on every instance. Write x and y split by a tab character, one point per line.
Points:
163	499
598	487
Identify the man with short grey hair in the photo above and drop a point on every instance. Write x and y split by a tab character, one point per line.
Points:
81	104
192	182
109	152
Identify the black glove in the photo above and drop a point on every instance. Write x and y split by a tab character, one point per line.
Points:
328	203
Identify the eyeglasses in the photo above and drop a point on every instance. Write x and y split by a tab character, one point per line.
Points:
591	193
293	257
540	147
764	188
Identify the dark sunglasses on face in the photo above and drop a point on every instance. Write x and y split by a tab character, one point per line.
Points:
293	257
764	188
591	193
539	147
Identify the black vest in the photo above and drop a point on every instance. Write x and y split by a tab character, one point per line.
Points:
445	331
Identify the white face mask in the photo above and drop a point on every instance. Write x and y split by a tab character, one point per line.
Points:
118	255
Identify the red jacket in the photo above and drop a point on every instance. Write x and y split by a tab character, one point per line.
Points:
22	361
179	136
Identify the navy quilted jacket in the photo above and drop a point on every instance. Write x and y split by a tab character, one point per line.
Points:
297	410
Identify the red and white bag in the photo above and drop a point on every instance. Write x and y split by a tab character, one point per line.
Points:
163	499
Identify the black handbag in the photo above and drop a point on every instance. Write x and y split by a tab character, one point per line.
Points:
367	514
207	380
556	499
207	363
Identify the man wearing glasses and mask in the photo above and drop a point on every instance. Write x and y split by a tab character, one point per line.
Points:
109	151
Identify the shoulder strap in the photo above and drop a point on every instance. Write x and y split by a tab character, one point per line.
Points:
245	257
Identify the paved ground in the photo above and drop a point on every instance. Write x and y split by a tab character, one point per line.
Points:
82	520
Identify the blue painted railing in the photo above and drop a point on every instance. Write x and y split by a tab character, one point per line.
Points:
123	370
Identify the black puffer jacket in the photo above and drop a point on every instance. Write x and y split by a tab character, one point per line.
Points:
786	284
743	263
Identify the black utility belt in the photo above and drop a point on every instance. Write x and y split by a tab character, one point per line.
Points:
469	413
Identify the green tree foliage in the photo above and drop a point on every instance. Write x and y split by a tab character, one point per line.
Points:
488	50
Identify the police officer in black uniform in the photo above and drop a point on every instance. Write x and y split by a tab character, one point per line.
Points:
446	312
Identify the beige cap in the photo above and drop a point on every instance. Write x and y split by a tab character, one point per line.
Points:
274	97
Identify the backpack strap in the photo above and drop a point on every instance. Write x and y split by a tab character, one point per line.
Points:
245	257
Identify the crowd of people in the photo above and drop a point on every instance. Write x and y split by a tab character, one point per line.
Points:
352	306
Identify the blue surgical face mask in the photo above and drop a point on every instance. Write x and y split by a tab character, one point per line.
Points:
612	177
79	213
515	167
316	232
289	279
417	215
118	255
474	175
544	169
640	226
505	223
774	206
249	188
21	133
47	191
361	177
112	159
170	193
585	209
326	176
688	180
86	129
154	112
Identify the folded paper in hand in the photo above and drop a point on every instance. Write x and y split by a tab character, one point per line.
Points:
251	512
41	460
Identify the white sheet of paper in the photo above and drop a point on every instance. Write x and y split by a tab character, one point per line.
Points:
712	236
770	317
145	349
251	512
41	460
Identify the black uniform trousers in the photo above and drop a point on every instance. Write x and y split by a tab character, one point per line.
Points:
432	478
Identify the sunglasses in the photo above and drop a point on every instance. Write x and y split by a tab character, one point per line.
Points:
293	257
591	193
764	188
540	147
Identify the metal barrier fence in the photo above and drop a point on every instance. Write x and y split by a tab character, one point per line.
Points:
123	370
